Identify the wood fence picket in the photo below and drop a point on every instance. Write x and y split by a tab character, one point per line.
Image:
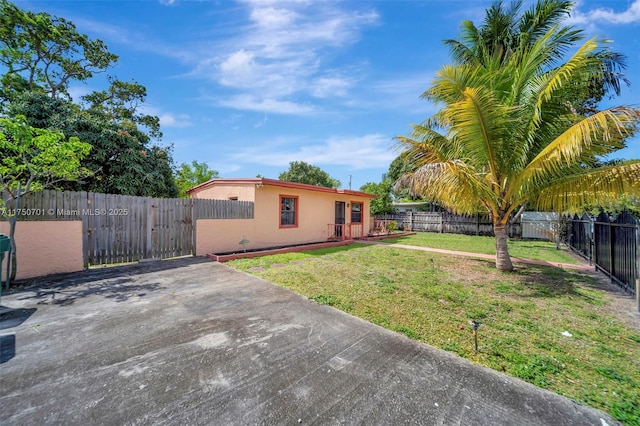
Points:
125	228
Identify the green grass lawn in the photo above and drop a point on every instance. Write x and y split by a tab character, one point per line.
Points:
431	297
526	249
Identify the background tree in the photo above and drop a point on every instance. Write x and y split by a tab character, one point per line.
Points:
381	204
32	158
189	175
40	55
399	167
506	136
123	159
45	53
301	172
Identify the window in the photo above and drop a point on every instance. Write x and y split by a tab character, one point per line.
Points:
233	198
356	212
288	211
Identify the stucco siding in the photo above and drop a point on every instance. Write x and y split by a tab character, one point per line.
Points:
46	247
244	192
224	235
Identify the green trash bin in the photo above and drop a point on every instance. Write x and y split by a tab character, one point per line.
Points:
5	244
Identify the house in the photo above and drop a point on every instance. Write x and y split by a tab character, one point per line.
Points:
285	213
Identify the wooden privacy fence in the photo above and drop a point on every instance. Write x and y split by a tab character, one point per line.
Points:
612	244
448	223
123	228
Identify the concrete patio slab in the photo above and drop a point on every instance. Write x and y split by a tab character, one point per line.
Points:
198	343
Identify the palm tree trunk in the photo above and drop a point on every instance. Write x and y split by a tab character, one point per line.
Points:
503	260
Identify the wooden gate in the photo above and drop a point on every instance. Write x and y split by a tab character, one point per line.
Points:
120	228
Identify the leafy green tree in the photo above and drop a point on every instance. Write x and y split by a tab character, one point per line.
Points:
506	136
45	53
302	172
190	175
381	204
37	158
32	159
40	55
122	161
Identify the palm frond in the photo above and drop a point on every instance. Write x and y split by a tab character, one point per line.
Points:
589	187
479	125
418	153
597	134
449	83
453	184
543	15
548	83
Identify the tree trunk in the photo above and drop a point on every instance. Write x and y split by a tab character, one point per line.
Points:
12	260
503	260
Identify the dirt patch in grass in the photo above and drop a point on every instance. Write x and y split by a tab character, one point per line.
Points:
563	330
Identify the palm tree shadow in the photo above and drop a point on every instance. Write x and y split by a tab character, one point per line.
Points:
120	290
10	317
7	348
117	283
547	282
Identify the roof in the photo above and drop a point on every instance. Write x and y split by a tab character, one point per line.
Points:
279	183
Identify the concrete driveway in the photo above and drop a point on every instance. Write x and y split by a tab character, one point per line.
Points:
193	342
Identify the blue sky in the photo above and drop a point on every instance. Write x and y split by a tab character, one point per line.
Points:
248	86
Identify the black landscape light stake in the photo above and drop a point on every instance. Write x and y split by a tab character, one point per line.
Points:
475	325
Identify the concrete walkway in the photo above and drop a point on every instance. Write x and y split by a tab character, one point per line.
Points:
581	267
189	342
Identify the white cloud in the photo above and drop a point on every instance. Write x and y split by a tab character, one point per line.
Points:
267	105
167	119
238	69
605	15
357	152
168	2
325	87
135	38
278	55
270	17
172	120
274	58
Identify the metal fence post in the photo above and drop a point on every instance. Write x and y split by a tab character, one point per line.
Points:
638	266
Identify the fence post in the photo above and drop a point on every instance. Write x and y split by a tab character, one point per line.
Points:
638	266
612	246
148	203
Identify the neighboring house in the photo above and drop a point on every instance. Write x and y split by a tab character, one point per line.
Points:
285	213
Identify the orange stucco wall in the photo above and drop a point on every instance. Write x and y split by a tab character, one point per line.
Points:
46	247
244	192
316	210
224	235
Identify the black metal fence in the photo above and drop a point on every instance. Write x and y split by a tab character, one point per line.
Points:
611	243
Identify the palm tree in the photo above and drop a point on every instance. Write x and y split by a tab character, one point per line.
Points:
505	136
506	32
